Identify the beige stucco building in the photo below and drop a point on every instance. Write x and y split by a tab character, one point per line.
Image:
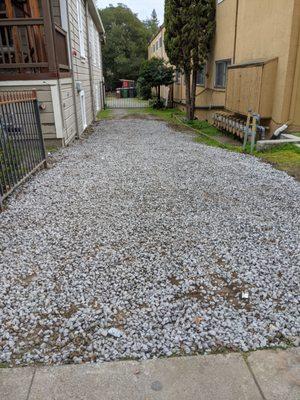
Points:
54	47
254	62
157	49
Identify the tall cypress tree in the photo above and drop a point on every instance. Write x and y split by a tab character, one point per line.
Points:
190	26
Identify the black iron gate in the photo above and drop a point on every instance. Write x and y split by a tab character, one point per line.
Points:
22	149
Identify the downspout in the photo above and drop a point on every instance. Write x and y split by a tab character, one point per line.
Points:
90	61
296	75
72	69
235	30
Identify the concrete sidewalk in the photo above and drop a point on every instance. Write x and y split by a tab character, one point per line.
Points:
262	375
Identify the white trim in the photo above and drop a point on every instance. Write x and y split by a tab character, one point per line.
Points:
58	118
34	83
64	14
80	29
96	15
28	83
97	93
83	110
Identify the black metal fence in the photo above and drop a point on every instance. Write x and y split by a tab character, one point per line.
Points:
22	149
134	102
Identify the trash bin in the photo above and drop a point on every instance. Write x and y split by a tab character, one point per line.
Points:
132	92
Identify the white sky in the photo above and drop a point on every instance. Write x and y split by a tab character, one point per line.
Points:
141	7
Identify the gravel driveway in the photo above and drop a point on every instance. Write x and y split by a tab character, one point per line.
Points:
139	242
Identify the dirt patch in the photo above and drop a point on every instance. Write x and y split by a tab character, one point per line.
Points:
138	116
198	293
227	140
174	281
232	292
69	312
28	279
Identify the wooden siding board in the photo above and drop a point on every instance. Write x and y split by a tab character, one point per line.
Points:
251	87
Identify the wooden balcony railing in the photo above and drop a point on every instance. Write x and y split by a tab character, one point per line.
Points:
61	47
22	44
30	46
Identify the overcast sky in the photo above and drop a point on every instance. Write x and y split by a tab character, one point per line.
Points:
141	7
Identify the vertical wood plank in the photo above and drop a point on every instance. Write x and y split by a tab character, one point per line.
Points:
49	34
37	34
15	33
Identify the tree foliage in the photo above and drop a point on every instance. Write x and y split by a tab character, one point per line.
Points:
126	45
190	25
152	24
155	73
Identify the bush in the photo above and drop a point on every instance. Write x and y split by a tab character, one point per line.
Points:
143	90
157	104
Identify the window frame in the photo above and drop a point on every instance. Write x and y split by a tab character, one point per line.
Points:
97	95
83	110
204	75
177	77
81	29
227	63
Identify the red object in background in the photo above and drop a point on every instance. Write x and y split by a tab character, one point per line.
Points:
125	84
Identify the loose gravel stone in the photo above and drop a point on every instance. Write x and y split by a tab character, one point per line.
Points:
141	229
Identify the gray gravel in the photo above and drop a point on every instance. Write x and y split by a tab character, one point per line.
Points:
139	242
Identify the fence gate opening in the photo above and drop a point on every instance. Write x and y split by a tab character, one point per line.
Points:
112	101
22	149
125	96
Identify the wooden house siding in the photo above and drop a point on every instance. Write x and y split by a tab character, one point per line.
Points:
81	69
62	117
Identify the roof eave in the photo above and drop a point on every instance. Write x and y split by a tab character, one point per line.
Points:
96	17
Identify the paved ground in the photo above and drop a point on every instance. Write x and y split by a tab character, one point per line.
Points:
139	242
263	375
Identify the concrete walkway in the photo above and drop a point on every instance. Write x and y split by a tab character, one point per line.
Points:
262	375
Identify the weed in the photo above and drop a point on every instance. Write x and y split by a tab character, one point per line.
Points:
104	114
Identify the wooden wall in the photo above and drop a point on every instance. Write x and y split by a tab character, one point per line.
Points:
252	87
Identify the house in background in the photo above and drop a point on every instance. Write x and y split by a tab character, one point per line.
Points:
157	49
54	47
254	63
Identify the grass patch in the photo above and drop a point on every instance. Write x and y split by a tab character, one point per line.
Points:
204	127
104	114
166	114
51	149
213	142
296	134
285	157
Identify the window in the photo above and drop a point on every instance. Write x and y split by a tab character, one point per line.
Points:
80	28
221	73
92	41
201	75
83	109
99	64
177	77
160	42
